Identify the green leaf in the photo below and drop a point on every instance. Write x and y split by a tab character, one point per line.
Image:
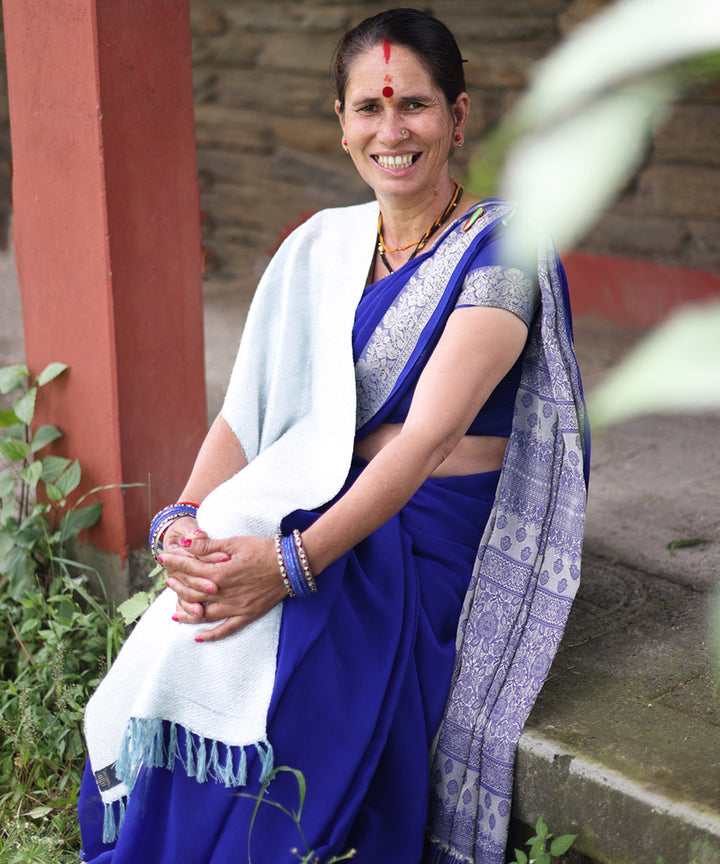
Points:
135	606
44	436
32	473
53	467
537	847
15	451
53	493
66	611
8	418
7	484
560	845
612	48
12	377
49	372
566	175
683	544
520	857
541	828
24	407
79	520
70	480
39	812
20	568
675	368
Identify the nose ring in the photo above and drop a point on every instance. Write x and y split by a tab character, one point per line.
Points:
404	133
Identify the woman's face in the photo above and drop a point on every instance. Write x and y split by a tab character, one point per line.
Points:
398	125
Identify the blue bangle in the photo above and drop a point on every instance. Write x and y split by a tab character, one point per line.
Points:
163	520
294	568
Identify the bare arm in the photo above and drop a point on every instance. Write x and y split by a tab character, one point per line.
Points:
477	348
220	457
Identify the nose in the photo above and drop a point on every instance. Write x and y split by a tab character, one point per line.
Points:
391	131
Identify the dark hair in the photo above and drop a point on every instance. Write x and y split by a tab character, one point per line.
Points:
428	38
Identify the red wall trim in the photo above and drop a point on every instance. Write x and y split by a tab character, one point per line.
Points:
631	292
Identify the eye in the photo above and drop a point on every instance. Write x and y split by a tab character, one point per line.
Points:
369	108
414	105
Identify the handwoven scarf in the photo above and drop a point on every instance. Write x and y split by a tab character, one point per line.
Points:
291	401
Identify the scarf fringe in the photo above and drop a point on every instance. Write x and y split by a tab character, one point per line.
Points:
113	818
144	743
437	852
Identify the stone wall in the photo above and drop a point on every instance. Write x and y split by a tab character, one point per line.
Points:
269	144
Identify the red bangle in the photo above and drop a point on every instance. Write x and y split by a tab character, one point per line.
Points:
188	504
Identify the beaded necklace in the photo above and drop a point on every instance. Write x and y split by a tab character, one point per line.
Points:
419	244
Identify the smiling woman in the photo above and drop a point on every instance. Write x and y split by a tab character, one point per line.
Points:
386	532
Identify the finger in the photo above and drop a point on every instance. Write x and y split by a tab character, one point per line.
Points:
188	571
193	612
189	595
202	546
186	613
223	630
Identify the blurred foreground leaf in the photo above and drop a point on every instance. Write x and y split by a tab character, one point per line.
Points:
675	368
580	130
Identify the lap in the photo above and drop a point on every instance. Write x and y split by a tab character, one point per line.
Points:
362	676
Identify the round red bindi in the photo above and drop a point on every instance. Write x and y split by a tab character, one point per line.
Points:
387	92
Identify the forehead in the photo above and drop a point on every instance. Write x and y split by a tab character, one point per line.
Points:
376	63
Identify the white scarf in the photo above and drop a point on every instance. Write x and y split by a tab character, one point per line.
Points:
291	402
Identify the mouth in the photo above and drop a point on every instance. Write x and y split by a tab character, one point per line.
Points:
404	160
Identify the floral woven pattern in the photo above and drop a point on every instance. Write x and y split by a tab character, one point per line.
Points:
525	578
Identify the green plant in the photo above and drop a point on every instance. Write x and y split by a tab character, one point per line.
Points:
57	637
539	853
34	534
308	856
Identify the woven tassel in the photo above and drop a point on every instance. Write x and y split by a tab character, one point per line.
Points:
201	773
109	825
189	755
442	854
226	772
240	779
172	747
112	823
266	758
214	761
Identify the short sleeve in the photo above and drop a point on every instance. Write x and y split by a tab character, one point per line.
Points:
502	288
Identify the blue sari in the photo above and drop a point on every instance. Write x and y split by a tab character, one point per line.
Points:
364	668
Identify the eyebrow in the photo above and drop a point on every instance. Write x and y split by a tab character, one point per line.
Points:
364	100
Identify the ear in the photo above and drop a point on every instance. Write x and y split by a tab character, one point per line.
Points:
461	111
340	113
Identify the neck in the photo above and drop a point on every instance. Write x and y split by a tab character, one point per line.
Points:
407	220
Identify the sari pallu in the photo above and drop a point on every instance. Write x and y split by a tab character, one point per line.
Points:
524	580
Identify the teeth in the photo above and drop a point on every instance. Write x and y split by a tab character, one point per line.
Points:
395	161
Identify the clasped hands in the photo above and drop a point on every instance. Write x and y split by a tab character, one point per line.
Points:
232	581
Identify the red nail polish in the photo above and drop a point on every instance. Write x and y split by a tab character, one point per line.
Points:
209	589
160	559
199	639
175	618
198	531
185	542
223	560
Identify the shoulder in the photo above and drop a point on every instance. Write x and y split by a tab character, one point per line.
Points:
335	224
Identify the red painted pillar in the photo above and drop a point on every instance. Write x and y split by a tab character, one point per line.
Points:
107	241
